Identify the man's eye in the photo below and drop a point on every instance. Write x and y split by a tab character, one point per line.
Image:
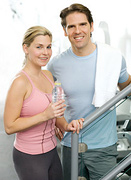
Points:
49	47
83	24
69	27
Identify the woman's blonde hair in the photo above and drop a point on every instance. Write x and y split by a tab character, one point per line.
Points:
33	32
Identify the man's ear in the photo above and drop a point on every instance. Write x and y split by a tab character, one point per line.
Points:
65	33
92	27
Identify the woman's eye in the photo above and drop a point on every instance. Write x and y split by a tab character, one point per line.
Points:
38	47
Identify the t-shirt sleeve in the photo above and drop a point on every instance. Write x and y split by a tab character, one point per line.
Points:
123	74
51	69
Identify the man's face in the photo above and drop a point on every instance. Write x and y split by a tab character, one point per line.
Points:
78	31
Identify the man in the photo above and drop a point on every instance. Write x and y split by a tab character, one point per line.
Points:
88	79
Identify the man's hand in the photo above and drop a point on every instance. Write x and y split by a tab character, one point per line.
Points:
59	133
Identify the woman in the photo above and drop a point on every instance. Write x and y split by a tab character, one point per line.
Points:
30	113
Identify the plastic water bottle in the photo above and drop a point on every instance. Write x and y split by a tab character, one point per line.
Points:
58	92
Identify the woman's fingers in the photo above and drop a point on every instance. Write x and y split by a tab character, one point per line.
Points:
59	103
59	108
80	121
77	125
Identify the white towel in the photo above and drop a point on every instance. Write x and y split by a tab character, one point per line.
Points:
107	73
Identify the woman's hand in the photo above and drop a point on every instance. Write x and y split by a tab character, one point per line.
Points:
75	125
55	109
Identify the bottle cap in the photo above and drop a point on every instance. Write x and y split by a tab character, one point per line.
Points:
57	83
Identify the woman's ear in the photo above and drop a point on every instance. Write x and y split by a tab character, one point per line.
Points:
25	49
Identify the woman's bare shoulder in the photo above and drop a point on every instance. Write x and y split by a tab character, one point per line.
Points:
19	81
49	74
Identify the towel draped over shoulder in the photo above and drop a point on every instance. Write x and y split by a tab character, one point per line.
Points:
108	70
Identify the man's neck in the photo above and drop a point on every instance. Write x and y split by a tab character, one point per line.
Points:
84	51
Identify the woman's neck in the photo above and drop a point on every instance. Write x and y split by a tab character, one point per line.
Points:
32	70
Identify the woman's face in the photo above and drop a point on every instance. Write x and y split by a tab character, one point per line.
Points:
39	51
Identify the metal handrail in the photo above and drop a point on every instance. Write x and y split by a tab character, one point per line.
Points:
121	166
89	119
